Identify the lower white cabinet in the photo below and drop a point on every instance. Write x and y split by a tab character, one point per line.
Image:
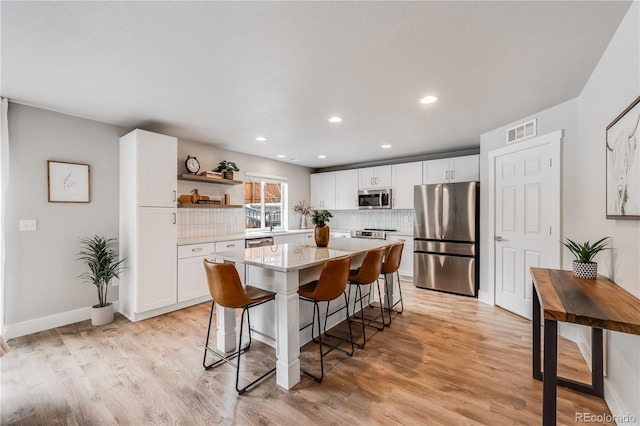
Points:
192	280
406	263
232	245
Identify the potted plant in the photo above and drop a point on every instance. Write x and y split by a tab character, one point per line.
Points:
304	209
227	168
583	265
320	218
101	257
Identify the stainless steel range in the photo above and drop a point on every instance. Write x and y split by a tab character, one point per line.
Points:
371	233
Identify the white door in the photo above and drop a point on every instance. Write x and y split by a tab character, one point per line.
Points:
527	220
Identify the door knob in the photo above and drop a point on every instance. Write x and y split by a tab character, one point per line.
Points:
500	239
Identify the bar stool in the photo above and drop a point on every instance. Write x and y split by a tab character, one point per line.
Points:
227	291
331	284
367	274
391	265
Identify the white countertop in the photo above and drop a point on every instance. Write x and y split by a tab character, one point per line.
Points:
291	257
244	236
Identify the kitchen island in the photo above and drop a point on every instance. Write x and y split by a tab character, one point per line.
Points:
282	268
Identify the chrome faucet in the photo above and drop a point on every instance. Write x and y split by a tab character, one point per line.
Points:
271	228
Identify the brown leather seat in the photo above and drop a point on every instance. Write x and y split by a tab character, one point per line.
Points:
330	286
390	266
367	274
226	290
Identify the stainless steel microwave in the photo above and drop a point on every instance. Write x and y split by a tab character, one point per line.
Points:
374	199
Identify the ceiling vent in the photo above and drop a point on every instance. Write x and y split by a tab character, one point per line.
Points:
521	131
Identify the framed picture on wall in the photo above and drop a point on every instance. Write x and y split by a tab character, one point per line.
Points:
623	164
68	182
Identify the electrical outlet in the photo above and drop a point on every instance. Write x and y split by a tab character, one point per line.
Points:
28	225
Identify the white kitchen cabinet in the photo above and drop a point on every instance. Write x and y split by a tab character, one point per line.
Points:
375	177
347	189
404	178
323	190
192	280
337	234
232	245
406	263
449	170
148	234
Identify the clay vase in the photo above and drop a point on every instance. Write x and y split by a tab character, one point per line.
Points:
321	232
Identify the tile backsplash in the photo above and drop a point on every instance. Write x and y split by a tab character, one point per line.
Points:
203	223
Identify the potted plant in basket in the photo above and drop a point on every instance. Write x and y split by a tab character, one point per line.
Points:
304	209
583	266
320	218
101	257
227	168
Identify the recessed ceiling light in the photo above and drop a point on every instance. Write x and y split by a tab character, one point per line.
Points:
294	159
281	156
428	99
261	139
335	119
386	146
322	156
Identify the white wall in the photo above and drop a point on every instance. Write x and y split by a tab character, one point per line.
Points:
42	287
614	84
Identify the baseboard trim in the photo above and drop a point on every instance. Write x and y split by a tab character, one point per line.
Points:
36	325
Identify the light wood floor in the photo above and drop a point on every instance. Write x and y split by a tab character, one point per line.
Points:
447	360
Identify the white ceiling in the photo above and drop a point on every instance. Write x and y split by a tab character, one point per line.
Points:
227	72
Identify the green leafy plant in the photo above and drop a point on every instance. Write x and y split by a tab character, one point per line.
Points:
228	166
320	217
100	255
303	208
585	252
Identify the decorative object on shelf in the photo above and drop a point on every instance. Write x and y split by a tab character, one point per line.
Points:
320	218
192	164
227	168
100	255
195	197
583	266
68	182
623	163
211	174
304	209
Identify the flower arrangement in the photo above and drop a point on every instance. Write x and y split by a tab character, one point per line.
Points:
320	217
303	208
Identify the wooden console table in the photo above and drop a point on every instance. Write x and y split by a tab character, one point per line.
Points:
599	304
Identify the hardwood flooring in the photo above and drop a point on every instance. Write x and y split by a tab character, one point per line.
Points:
447	360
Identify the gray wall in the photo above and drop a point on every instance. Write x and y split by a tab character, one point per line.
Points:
614	84
42	288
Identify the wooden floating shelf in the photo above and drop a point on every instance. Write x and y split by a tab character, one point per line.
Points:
209	206
196	178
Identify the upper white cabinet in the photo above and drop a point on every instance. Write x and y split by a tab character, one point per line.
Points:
375	177
456	169
148	235
323	190
347	189
404	178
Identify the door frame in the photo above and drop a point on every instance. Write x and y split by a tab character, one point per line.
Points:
555	140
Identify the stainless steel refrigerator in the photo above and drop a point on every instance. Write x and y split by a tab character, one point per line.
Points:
446	234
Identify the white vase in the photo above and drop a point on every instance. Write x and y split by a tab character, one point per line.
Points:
303	222
101	315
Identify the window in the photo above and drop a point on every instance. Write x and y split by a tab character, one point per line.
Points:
265	202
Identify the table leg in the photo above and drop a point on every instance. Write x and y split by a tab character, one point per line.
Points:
550	376
597	377
537	365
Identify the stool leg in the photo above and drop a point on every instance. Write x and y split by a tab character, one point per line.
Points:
241	391
346	302
381	306
400	291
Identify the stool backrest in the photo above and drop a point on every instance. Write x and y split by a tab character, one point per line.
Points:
333	279
393	258
371	266
225	285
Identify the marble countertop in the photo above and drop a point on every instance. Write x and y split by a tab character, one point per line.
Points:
292	257
244	236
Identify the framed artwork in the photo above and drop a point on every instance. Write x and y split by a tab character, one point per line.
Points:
623	164
68	182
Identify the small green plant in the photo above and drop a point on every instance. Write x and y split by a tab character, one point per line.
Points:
320	217
228	166
100	255
585	252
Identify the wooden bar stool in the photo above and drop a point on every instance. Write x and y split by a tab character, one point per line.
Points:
227	291
391	265
367	274
331	284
